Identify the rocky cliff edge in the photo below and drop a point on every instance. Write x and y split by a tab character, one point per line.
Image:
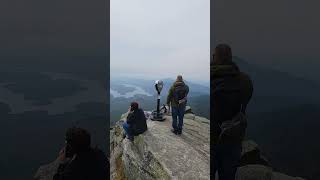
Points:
160	154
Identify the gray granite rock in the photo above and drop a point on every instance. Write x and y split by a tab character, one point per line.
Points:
260	172
160	154
46	172
251	154
254	172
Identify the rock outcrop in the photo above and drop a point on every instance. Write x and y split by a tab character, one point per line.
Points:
160	154
46	172
253	166
260	172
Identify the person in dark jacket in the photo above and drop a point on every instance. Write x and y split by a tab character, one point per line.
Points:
78	161
136	122
231	91
177	98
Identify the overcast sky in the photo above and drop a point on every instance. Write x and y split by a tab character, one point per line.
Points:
283	34
160	39
51	28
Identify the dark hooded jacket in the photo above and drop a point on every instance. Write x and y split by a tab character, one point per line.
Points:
87	165
231	91
170	97
137	121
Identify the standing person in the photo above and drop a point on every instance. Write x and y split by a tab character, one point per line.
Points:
231	91
177	98
136	122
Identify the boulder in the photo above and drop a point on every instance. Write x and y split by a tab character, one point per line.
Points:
280	176
260	172
254	172
251	154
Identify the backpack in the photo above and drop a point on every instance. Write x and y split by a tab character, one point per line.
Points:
235	128
180	92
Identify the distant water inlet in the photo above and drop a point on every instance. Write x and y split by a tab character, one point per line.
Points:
137	91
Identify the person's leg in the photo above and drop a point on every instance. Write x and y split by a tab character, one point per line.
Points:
127	130
230	157
215	162
125	126
236	154
181	116
174	118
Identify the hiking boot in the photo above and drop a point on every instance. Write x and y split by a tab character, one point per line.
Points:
174	131
179	132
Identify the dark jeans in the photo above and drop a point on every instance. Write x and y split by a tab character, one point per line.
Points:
226	160
178	114
127	130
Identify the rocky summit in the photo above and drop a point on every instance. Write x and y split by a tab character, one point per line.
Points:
160	154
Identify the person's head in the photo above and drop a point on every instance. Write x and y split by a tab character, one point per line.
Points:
134	106
222	54
179	78
78	140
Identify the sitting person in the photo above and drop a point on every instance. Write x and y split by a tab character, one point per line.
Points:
79	161
136	122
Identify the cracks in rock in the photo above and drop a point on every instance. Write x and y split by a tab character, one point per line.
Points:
144	162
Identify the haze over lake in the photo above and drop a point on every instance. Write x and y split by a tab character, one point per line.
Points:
137	91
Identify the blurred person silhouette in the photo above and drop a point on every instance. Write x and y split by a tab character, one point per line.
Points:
79	161
231	91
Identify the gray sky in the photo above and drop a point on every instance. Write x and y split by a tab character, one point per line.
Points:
160	39
51	28
283	34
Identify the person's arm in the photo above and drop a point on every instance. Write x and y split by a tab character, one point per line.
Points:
247	91
185	96
130	118
169	97
67	172
65	169
187	92
61	172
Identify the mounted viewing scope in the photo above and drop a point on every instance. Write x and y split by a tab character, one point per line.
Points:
158	85
156	114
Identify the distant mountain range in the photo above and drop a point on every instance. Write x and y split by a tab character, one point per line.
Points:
284	116
148	85
280	89
198	96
